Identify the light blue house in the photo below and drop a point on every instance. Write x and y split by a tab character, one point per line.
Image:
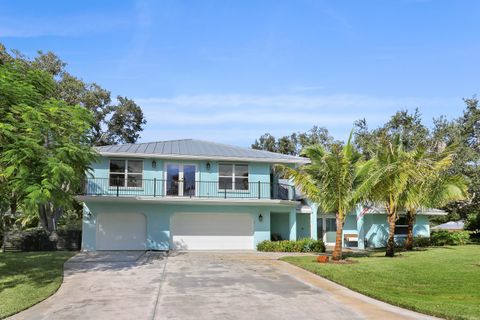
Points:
198	195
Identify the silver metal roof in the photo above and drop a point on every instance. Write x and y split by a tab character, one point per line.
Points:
421	211
196	149
450	225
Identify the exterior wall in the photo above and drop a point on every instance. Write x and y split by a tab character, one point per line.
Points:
376	227
303	225
279	224
208	179
158	218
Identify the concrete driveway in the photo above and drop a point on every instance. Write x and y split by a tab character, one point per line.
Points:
201	285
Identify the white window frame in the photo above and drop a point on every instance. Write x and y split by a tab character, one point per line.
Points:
180	165
233	176
125	173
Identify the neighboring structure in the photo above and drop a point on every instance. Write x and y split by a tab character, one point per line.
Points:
451	226
192	194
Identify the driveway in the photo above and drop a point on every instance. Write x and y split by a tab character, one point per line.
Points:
201	285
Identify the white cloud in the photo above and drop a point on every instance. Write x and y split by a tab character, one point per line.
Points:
240	118
332	102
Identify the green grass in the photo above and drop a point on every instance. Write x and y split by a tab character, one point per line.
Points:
443	281
27	278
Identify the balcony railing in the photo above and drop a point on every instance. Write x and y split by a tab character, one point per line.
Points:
186	189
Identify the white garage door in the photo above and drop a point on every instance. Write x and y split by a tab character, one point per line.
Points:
121	231
192	231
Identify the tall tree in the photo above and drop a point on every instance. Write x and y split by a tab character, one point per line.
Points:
331	181
266	142
407	126
385	178
465	132
45	147
294	143
113	122
436	188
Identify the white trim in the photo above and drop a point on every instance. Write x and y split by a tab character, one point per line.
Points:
298	160
229	201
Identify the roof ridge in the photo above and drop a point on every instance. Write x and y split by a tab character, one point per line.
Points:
238	147
185	146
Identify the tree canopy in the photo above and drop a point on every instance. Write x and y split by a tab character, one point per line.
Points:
49	122
113	123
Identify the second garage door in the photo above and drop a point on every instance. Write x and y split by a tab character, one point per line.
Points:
193	231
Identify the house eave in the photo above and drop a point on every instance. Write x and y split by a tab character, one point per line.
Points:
192	157
179	200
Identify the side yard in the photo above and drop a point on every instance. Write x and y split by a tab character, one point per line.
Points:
442	281
27	278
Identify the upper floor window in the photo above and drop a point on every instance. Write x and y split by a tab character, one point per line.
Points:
233	176
126	173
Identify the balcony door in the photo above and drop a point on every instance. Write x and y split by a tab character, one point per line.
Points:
180	179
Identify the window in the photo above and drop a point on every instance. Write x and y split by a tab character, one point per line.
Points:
401	227
126	173
233	176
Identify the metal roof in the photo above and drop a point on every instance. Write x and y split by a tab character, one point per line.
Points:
450	225
196	149
421	211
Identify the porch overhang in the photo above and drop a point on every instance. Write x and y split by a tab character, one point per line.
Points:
186	200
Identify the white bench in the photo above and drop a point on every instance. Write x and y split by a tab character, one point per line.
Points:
350	237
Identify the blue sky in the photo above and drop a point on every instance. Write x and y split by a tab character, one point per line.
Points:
229	71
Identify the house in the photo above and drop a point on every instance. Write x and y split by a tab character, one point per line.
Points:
199	195
451	226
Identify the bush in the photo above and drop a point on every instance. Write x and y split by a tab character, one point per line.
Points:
39	240
420	242
302	245
454	238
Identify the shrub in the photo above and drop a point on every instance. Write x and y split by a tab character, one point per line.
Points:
302	245
420	242
454	238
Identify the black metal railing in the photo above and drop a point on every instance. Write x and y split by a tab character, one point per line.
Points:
135	187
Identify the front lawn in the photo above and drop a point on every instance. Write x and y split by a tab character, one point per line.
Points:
27	278
443	281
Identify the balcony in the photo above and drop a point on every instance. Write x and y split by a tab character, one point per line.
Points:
186	189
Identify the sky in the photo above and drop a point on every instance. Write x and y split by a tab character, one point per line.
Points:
229	71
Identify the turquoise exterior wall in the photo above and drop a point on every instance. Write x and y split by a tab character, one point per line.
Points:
303	225
158	218
376	229
207	186
279	224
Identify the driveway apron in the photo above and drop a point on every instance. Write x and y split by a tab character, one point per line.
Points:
201	285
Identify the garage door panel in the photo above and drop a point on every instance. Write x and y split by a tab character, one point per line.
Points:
192	231
123	231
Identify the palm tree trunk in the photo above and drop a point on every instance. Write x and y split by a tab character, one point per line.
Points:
410	221
391	235
337	251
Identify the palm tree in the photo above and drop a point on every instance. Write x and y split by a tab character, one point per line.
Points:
435	189
329	180
385	178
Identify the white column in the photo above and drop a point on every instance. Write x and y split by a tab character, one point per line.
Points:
313	221
293	223
360	227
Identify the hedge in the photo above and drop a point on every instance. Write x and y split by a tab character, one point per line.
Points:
302	245
451	238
